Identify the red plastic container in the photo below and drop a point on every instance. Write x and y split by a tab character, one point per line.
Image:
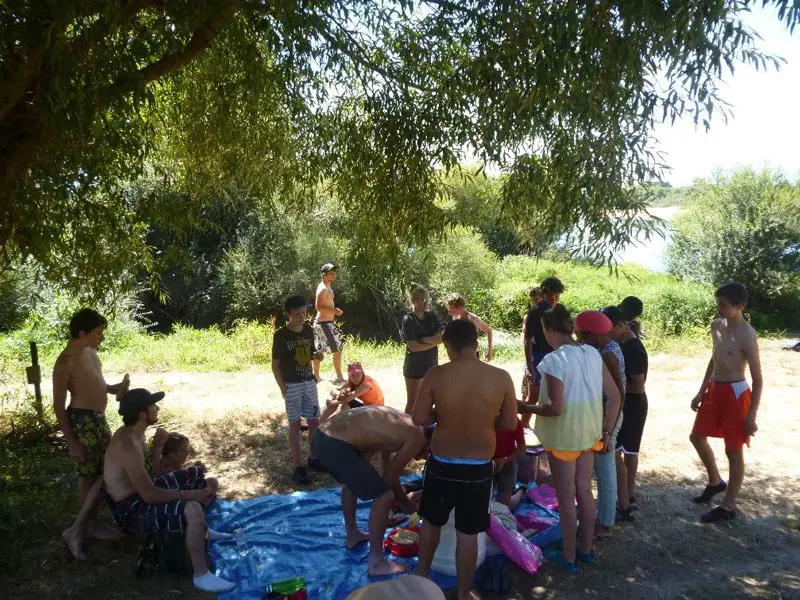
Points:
402	550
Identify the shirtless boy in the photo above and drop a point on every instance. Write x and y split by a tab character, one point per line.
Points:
83	422
174	505
725	405
327	337
464	398
345	443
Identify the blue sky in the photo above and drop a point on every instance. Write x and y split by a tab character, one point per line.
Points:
764	129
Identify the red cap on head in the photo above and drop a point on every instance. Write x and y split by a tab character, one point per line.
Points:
593	321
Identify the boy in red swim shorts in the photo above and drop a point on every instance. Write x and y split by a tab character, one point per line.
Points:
725	405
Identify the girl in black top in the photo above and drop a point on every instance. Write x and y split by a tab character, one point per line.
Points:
422	333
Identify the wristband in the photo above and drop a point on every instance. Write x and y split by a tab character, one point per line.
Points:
420	340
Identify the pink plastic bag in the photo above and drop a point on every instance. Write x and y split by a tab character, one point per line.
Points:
544	496
511	543
532	521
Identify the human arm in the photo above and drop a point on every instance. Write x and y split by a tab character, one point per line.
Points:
706	378
410	448
121	387
526	340
508	410
415	342
612	364
488	331
613	407
346	395
276	372
554	407
424	413
159	439
754	362
61	375
133	464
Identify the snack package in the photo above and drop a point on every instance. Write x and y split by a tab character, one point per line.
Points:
544	496
510	541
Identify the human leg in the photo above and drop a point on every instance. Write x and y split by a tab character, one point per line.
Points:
195	518
563	473
586	507
706	454
378	517
75	535
631	468
353	535
412	389
466	558
735	477
337	365
605	472
622	483
428	542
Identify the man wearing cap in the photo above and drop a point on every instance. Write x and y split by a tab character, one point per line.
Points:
140	505
292	350
327	336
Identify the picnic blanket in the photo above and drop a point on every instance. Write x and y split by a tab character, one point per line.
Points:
299	534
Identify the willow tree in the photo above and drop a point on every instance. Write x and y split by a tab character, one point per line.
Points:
372	98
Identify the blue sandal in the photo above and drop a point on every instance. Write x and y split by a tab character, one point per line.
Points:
555	557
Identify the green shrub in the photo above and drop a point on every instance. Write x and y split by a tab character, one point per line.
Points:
743	227
462	264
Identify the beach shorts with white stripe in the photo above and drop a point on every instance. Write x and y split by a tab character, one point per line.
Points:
301	400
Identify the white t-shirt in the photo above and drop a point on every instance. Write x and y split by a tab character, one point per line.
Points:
580	368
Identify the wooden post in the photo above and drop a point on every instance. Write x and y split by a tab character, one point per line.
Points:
34	373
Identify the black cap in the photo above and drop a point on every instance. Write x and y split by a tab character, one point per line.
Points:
293	302
138	400
327	267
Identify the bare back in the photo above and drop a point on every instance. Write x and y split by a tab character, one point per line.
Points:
467	396
324	303
370	428
731	347
118	484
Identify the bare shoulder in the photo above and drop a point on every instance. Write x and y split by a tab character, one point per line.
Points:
496	373
748	335
717	323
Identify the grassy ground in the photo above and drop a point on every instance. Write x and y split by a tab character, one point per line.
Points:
237	426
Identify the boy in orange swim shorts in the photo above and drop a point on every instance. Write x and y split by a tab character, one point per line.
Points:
725	405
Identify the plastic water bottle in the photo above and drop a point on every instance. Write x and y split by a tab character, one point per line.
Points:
241	543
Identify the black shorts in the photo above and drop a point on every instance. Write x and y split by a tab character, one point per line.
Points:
505	480
629	438
345	463
465	487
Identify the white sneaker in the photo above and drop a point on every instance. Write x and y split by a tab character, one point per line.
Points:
211	583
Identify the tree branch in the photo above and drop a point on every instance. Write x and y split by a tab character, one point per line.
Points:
201	39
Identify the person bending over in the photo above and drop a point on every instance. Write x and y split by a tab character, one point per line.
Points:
172	502
345	443
464	398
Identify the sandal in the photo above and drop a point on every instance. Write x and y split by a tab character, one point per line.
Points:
625	516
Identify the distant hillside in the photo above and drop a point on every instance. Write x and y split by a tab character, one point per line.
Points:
663	194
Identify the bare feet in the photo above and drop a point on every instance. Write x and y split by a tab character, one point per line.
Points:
384	567
72	538
99	531
355	538
470	595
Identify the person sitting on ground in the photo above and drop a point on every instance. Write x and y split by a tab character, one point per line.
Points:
725	405
171	502
464	398
359	390
570	425
630	432
345	443
292	348
509	448
457	308
594	329
83	423
169	452
632	309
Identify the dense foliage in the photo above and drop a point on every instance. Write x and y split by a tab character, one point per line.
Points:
743	227
364	102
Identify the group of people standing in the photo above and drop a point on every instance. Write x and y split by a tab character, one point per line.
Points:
584	383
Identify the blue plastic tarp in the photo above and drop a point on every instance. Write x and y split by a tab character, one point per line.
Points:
301	534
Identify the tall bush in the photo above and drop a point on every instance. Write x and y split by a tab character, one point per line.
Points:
742	227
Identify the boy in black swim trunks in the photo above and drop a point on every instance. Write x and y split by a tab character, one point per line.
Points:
344	444
464	397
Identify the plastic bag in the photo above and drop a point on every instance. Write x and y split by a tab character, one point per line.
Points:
544	496
510	541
